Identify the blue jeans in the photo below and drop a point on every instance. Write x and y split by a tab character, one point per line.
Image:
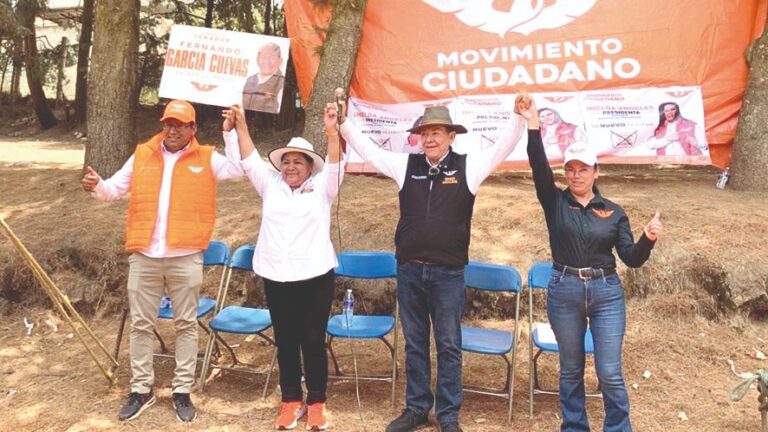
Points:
424	292
570	303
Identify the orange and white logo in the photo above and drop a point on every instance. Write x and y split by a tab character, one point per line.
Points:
603	214
519	16
558	99
196	169
203	87
679	94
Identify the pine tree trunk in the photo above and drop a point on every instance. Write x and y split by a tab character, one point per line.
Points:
750	149
83	59
209	13
267	17
62	63
16	63
112	96
286	118
45	116
337	64
246	8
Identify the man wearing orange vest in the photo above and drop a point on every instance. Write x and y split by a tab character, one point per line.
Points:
171	215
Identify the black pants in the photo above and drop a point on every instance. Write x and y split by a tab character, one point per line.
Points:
299	313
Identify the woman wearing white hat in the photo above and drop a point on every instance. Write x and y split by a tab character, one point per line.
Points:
584	290
295	258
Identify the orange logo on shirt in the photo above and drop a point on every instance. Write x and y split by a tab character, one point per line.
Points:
604	214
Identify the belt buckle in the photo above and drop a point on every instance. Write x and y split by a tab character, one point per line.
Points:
584	277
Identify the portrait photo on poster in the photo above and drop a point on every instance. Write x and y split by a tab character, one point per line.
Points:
263	90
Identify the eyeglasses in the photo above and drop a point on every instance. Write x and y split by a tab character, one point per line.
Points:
179	127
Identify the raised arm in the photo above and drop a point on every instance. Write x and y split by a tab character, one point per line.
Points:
330	118
636	254
392	165
334	167
227	167
543	178
234	117
480	164
241	148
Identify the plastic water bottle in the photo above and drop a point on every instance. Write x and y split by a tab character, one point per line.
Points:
165	302
348	309
722	179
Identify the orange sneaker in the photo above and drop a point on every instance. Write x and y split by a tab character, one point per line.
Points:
316	418
290	413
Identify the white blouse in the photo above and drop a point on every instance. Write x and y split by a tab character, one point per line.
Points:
294	241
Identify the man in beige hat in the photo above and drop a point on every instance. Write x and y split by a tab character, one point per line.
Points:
171	215
437	195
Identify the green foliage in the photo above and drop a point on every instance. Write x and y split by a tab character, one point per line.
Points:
48	60
151	50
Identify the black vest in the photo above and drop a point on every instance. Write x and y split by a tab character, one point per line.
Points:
435	212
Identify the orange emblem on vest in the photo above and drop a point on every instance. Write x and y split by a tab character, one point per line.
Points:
603	214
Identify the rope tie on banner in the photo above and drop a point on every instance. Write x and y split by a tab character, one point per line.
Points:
64	306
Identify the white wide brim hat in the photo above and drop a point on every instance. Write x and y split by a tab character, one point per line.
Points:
580	151
300	145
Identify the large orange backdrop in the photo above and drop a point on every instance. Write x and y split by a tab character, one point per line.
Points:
420	50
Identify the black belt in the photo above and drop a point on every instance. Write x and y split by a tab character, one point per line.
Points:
585	273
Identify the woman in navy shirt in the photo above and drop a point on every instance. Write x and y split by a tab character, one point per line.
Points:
585	290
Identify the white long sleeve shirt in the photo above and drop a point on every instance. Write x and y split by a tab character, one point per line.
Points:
294	240
480	164
119	184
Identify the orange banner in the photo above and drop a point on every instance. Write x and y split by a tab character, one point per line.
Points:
421	50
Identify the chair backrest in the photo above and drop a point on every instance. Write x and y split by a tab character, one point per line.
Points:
539	275
367	265
492	277
242	259
216	254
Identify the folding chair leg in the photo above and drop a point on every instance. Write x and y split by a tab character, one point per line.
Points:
530	378
394	372
207	359
216	350
119	339
511	384
269	374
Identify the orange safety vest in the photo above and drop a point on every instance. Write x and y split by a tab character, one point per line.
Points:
192	210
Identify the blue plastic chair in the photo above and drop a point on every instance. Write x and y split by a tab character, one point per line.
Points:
366	265
542	338
494	278
238	320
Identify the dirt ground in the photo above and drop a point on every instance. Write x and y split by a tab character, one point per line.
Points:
682	327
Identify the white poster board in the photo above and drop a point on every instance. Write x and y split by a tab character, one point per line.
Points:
219	67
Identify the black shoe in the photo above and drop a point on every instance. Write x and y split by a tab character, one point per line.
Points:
408	421
450	427
137	403
185	411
